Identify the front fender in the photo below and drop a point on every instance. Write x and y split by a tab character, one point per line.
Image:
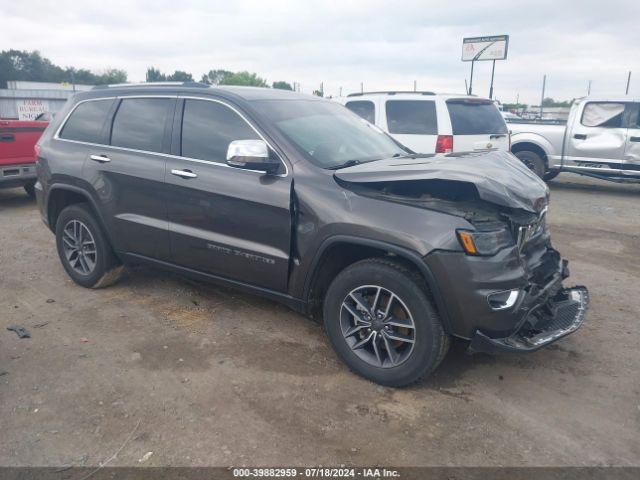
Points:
537	140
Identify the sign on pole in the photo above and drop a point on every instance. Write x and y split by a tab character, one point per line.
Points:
475	49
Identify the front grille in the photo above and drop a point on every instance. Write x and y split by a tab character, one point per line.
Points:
524	233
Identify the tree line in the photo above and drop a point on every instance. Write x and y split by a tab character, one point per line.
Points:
32	66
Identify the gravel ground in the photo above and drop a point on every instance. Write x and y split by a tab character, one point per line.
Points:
200	375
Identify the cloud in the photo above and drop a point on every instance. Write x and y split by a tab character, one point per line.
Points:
385	45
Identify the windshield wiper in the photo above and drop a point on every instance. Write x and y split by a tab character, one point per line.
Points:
348	163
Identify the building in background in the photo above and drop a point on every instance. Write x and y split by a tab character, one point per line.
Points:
26	100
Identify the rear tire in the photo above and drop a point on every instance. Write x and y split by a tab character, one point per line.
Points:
30	188
84	250
396	354
533	161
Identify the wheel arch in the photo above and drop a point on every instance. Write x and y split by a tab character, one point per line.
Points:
338	252
61	196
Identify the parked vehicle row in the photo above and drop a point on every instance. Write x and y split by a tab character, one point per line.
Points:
296	198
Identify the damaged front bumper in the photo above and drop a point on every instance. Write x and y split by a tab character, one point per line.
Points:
544	324
509	302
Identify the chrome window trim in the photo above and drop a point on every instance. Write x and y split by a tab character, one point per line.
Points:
56	136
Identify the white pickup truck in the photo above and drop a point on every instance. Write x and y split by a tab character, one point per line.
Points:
601	139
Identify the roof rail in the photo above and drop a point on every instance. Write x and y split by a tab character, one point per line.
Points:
154	84
393	92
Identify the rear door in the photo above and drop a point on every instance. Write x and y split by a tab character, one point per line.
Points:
631	164
127	173
477	124
225	221
413	123
598	137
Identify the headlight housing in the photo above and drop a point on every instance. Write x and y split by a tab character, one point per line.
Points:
485	243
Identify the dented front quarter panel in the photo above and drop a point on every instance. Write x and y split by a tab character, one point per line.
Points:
324	210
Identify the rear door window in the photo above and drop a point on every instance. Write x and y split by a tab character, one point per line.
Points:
140	123
209	127
412	117
603	114
87	121
473	117
363	108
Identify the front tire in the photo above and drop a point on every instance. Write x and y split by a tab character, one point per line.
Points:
84	250
534	161
382	323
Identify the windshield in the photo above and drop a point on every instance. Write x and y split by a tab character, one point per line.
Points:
329	134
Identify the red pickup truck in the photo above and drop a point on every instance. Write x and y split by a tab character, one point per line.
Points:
17	156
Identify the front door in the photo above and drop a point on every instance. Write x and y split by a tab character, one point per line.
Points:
597	139
225	221
631	165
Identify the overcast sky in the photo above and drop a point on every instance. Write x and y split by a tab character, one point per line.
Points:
385	44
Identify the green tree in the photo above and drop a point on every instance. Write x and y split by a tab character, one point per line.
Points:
550	102
31	66
180	76
113	75
244	79
282	85
155	75
216	77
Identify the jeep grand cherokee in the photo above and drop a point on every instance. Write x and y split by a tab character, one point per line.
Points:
298	199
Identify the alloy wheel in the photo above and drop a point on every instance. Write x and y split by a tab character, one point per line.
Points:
79	247
377	326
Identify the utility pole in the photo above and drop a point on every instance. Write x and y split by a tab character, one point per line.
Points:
471	79
340	91
493	71
361	87
322	89
589	88
415	86
626	92
544	84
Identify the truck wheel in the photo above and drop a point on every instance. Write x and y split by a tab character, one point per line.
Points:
533	161
550	175
30	188
382	323
84	250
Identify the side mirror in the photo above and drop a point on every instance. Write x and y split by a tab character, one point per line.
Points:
252	155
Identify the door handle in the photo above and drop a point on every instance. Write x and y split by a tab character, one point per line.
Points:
183	173
7	137
634	139
100	158
580	136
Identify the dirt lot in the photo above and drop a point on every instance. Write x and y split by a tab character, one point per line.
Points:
200	375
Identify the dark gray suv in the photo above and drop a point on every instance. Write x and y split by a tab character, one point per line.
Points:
298	199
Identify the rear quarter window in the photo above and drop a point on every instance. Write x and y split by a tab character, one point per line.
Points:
86	122
412	117
469	117
363	108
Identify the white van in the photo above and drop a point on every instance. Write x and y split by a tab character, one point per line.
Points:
428	122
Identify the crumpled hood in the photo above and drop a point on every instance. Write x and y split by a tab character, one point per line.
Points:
499	177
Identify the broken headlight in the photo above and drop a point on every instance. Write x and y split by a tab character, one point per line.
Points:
485	242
